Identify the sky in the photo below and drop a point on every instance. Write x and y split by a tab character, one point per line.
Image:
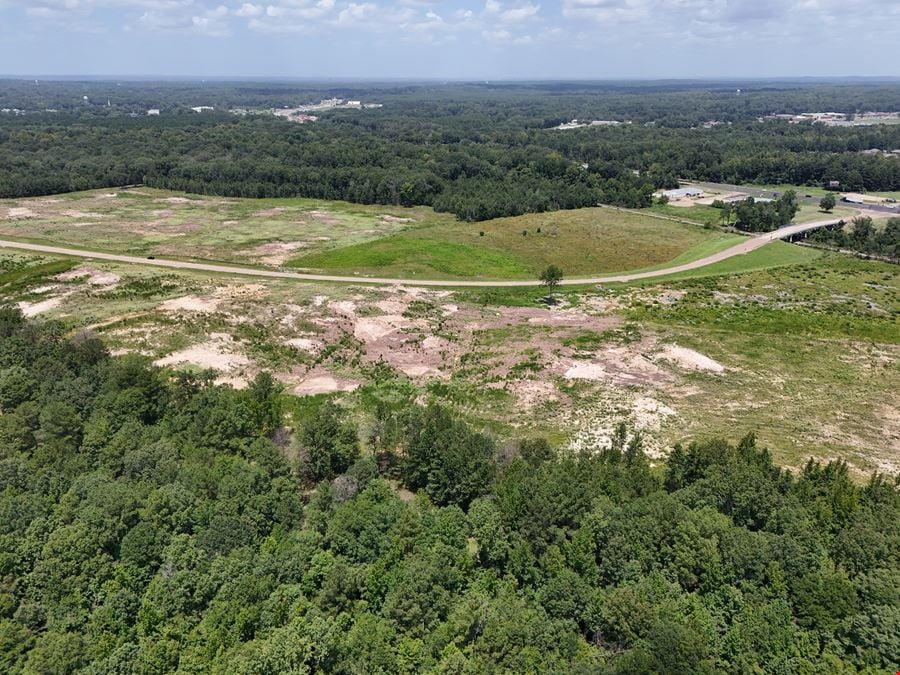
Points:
452	39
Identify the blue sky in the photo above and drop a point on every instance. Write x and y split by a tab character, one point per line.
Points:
457	39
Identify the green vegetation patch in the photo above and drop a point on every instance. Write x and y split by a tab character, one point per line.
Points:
581	242
411	255
833	296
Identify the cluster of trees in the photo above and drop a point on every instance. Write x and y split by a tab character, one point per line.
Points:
476	151
754	215
153	524
862	236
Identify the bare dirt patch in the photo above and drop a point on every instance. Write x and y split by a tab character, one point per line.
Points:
275	252
594	422
32	309
320	381
622	365
690	360
19	213
305	344
533	393
191	303
91	275
83	214
220	353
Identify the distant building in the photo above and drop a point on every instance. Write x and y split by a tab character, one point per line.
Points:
202	108
834	184
683	193
354	104
153	112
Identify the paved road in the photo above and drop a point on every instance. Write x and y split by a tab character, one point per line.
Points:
770	194
749	244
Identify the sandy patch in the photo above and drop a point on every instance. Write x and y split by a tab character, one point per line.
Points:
395	219
690	360
449	310
345	308
275	252
595	422
392	306
419	370
92	276
649	414
217	353
82	214
585	370
533	393
19	213
40	290
622	365
539	316
233	381
321	382
191	303
35	308
180	200
370	329
305	344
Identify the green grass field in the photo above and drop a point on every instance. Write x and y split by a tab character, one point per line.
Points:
581	242
699	213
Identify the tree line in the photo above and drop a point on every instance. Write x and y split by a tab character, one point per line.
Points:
477	152
158	523
863	236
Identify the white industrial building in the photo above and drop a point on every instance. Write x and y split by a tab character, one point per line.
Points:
683	193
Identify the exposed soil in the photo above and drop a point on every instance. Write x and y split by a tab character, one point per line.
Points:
220	353
320	381
35	308
689	359
191	303
92	276
276	252
18	213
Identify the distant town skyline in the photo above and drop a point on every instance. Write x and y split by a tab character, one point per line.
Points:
459	40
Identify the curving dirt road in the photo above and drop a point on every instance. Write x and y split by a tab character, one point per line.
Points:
750	244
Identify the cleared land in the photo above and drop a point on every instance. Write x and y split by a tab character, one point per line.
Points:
799	345
143	221
342	238
806	354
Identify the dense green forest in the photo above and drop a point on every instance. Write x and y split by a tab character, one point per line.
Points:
476	151
153	523
863	236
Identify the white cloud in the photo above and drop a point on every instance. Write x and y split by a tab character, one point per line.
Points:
519	13
356	12
248	10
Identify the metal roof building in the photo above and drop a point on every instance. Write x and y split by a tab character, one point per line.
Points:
683	192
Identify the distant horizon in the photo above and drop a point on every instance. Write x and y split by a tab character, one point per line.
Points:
160	77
